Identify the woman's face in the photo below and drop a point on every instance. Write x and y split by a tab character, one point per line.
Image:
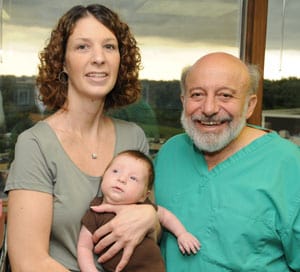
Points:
92	60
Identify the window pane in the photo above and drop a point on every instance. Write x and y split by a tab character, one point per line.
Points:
170	33
281	101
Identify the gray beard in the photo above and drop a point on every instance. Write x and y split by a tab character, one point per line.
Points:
211	142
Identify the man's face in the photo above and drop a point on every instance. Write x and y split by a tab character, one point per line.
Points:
215	103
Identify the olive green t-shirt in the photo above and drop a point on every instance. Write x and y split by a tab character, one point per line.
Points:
41	164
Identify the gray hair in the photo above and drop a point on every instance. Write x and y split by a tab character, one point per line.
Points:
184	73
253	71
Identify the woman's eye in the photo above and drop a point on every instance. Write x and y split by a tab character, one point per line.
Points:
110	46
82	47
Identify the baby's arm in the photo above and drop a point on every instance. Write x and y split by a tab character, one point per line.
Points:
85	253
186	241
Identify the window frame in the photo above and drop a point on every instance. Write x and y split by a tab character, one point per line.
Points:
253	44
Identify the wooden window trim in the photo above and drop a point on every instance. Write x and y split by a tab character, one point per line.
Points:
253	44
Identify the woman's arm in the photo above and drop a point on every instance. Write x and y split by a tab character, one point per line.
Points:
85	251
125	231
29	224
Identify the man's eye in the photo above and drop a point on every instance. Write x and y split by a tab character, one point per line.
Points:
225	96
197	95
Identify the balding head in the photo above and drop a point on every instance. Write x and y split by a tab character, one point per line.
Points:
247	76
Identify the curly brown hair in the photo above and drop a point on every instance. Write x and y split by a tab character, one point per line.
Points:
53	90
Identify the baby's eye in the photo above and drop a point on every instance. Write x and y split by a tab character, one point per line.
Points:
115	170
133	178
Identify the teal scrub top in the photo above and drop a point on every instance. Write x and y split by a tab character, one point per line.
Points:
245	211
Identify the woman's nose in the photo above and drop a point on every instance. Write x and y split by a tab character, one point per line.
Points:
98	56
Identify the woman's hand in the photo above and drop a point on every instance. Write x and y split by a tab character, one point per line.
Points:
125	231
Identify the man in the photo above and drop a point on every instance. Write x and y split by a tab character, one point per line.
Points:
235	186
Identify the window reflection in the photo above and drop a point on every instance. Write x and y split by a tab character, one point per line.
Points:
170	33
281	100
283	40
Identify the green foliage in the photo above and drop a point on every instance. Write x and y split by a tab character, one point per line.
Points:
142	114
7	86
158	112
167	132
284	93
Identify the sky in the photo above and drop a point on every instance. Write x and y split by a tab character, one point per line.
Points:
170	33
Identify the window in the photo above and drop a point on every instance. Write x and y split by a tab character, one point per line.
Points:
281	103
170	33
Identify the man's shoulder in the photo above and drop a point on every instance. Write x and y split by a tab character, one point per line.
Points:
176	145
179	139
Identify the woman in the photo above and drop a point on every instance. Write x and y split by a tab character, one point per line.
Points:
89	66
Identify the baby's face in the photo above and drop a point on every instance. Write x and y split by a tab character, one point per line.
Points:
125	181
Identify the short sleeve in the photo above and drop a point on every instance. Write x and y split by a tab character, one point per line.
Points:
130	136
29	170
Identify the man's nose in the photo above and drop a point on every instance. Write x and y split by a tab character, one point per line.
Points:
210	106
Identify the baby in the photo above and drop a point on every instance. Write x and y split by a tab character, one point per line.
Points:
128	179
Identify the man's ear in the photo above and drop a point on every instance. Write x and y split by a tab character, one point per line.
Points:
182	99
252	101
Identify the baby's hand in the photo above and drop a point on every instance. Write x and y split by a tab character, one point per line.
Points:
188	243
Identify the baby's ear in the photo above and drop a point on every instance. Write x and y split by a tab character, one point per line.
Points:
148	193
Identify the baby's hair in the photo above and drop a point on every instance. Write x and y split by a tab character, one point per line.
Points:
142	156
